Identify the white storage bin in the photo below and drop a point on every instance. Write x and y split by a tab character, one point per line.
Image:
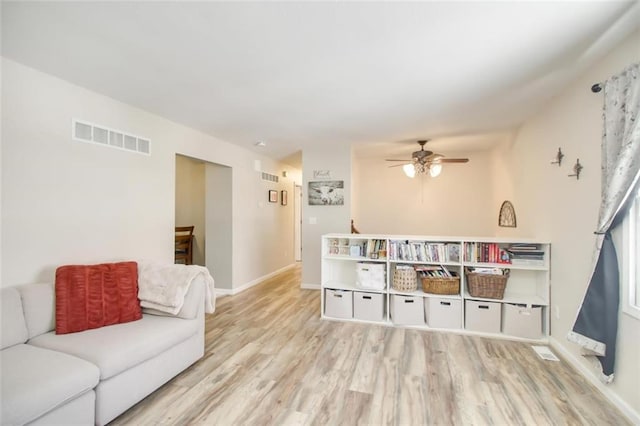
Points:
407	310
368	306
522	321
482	316
443	312
338	303
371	275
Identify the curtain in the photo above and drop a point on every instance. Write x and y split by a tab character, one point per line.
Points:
596	325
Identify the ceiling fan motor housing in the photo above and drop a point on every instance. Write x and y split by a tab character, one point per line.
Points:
420	156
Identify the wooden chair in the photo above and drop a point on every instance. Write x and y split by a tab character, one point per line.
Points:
184	245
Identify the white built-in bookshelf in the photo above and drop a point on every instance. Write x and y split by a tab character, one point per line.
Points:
522	312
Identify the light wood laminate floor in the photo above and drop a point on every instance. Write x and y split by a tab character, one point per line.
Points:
269	359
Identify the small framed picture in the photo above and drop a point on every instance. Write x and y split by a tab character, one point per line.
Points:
273	196
283	197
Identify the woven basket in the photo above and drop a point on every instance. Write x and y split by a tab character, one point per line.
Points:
405	279
441	285
487	285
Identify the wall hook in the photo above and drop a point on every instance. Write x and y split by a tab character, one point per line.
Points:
577	168
558	158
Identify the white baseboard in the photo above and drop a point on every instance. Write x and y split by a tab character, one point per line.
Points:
623	406
310	286
230	292
224	292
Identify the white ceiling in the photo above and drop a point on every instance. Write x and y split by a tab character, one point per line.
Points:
292	74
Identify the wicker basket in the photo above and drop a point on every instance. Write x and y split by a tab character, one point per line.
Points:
405	279
487	285
441	285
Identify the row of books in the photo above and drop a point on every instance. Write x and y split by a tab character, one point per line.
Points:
372	249
486	253
416	251
376	249
434	271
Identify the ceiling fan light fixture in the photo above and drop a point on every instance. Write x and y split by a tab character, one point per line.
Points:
409	170
425	162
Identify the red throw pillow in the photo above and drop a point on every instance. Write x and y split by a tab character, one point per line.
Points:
92	296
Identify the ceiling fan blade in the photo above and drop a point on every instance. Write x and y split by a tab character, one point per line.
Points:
399	160
451	160
399	165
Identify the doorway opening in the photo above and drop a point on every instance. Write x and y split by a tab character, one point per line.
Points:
203	200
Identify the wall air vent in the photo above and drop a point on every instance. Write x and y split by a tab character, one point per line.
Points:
93	133
269	177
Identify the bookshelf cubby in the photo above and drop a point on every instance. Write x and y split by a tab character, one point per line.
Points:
526	295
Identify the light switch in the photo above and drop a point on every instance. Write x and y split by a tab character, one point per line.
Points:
313	220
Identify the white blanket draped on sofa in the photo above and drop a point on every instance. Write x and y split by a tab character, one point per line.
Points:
163	287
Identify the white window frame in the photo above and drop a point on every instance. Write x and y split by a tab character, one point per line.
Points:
631	286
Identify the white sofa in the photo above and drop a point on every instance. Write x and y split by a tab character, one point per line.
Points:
92	376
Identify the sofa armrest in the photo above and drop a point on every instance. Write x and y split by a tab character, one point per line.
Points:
193	305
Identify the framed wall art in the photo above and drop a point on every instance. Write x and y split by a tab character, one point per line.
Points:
507	216
326	193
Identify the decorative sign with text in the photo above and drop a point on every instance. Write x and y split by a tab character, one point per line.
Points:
322	174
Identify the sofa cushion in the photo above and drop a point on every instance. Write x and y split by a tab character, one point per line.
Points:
13	327
38	303
36	381
93	296
119	347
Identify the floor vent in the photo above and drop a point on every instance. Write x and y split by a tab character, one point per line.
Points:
269	177
101	135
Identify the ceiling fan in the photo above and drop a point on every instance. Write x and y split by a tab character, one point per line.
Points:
423	162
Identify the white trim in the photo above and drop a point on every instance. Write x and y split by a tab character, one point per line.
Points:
590	375
628	263
220	292
307	286
234	291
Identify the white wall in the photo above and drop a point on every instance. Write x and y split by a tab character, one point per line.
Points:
1	144
71	202
328	219
459	202
563	210
219	223
190	198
